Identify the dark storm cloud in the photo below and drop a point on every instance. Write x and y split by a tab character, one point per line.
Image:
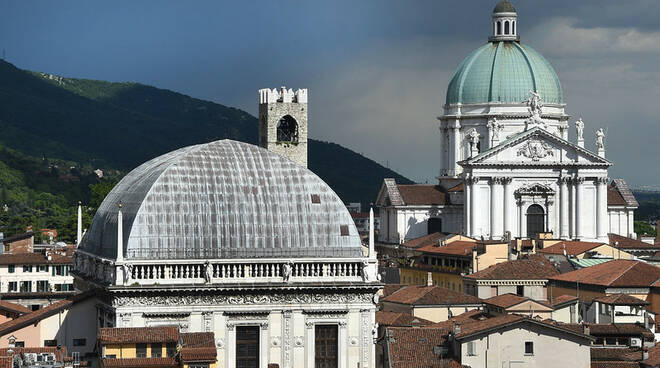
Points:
377	70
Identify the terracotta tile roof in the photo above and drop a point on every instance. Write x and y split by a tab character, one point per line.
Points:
34	317
422	194
614	364
198	347
413	347
430	239
573	248
621	299
140	362
620	273
613	354
479	324
614	198
391	288
398	319
562	299
506	300
610	329
534	267
457	188
120	335
32	258
625	242
654	357
457	248
430	295
625	192
13	307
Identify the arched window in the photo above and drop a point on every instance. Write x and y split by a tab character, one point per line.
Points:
506	27
434	225
287	129
513	28
499	28
535	220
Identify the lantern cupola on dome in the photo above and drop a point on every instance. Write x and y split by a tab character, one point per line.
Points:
505	22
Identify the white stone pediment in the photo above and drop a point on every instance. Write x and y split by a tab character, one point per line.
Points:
536	147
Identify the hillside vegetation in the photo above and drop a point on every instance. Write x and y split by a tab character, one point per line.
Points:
56	131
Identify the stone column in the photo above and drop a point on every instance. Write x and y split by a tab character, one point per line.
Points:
550	216
467	206
563	209
508	206
496	211
443	146
472	181
601	208
457	148
578	207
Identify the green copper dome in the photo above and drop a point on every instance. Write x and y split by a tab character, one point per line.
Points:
503	72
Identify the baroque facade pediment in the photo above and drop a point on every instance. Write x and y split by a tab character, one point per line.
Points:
536	147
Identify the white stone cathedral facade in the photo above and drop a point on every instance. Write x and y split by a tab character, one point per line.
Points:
506	160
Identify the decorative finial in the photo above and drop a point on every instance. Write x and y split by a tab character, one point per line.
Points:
119	204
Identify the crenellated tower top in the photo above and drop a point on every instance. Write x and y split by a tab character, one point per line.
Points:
274	95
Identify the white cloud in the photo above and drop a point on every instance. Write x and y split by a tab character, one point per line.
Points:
565	37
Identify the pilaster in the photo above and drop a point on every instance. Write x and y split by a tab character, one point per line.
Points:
563	209
579	197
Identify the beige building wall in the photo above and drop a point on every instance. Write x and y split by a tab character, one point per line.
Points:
495	253
440	313
506	348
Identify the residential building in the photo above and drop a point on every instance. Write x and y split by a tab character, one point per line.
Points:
361	220
36	279
524	277
9	311
68	323
447	258
618	308
580	250
635	278
434	303
637	248
163	346
21	243
42	357
479	340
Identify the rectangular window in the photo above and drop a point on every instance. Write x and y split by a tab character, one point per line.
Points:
13	286
316	198
11	268
156	350
343	230
529	348
50	342
520	290
471	351
59	270
26	286
247	346
140	350
27	268
111	356
170	349
79	342
325	346
42	286
42	268
19	344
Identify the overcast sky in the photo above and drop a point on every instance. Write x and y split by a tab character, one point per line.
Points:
377	71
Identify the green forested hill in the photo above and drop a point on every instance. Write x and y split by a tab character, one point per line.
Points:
49	125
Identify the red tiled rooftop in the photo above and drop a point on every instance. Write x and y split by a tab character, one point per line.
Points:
621	299
430	239
420	194
33	259
128	335
614	197
430	295
624	242
414	347
535	267
506	300
398	319
559	300
14	307
573	248
620	273
456	248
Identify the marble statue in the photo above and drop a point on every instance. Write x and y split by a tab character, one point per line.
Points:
473	137
579	127
286	271
208	272
600	139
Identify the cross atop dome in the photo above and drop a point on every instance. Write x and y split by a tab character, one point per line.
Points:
505	21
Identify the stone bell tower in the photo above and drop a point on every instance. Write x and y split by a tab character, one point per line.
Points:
283	123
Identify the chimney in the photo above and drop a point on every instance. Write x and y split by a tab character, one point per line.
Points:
457	329
429	279
646	320
587	330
